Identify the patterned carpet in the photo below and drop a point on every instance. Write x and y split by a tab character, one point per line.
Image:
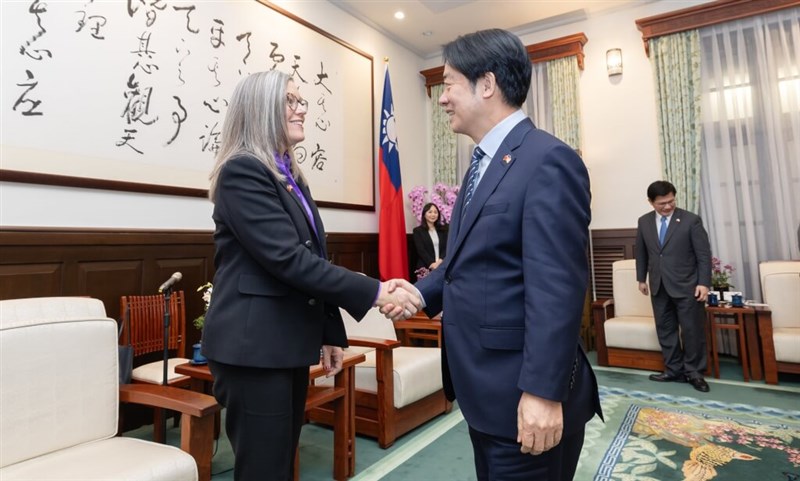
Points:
659	437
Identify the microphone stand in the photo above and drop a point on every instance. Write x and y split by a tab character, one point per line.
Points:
164	381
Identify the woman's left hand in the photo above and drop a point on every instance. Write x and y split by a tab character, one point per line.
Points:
332	358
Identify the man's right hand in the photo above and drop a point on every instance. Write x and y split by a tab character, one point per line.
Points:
643	288
398	299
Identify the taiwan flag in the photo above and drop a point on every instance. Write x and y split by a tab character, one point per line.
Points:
392	250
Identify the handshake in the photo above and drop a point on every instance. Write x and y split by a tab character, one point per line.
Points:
398	299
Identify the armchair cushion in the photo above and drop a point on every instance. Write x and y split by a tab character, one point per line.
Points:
153	372
115	458
416	372
59	398
628	301
632	333
633	325
782	293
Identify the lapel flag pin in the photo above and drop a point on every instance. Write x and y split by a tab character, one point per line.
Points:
289	188
506	158
677	220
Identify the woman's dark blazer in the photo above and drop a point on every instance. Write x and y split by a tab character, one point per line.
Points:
276	296
424	245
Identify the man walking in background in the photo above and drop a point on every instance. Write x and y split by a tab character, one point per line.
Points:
672	248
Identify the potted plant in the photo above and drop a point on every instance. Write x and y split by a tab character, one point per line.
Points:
720	275
199	322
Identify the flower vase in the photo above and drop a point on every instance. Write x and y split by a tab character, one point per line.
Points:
197	356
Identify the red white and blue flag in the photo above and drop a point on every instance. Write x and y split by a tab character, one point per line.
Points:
392	249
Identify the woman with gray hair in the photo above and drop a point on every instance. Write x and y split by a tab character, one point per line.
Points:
276	297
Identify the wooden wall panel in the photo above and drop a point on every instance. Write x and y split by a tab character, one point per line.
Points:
608	246
31	280
107	264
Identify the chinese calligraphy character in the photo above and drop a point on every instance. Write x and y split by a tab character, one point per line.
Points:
180	62
276	57
36	8
214	69
322	123
295	66
99	21
177	119
145	54
239	38
319	158
128	137
189	10
210	141
138	105
216	33
34	104
322	76
216	101
150	15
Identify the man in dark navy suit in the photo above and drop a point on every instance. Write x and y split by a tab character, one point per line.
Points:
512	286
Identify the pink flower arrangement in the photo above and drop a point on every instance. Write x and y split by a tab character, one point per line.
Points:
721	274
443	197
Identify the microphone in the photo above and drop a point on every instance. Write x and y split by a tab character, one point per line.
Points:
173	279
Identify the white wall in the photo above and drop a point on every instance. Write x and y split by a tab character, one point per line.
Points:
28	205
618	114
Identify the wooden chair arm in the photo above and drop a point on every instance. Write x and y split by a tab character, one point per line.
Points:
197	417
602	310
373	342
602	303
182	400
431	325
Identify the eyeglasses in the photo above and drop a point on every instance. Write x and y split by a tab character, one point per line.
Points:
664	203
293	102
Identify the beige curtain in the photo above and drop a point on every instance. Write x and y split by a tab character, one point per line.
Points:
563	77
676	67
443	142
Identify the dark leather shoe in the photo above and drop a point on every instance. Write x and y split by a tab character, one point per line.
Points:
699	383
664	377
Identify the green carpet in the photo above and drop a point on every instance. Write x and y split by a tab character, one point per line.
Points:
662	437
440	450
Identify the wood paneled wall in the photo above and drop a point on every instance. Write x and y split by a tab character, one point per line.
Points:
107	264
609	245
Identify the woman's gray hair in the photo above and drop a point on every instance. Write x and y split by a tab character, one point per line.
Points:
255	124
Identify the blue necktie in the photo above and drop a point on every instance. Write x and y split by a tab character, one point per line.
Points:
472	176
662	232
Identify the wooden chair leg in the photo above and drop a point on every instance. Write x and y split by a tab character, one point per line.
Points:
743	352
196	439
715	353
159	435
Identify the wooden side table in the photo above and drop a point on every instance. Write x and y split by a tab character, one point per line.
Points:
716	317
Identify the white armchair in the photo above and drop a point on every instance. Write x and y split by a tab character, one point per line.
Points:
397	387
625	327
59	401
780	287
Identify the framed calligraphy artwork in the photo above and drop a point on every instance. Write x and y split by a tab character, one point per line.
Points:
132	95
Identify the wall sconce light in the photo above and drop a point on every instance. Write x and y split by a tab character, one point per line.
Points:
614	61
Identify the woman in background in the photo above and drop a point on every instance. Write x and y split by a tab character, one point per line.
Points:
430	238
276	296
